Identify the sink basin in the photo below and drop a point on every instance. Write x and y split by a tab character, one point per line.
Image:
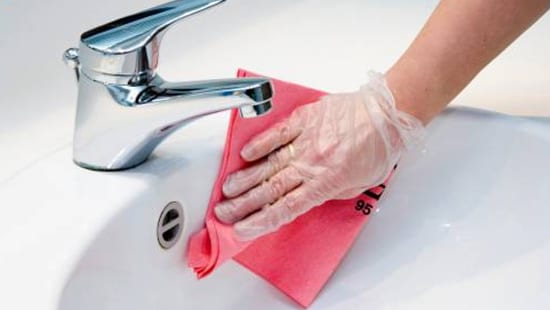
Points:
460	225
107	220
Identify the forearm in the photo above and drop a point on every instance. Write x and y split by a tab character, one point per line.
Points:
459	39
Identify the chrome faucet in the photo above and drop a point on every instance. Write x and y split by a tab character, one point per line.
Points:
125	109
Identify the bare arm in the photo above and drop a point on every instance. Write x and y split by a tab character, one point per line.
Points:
459	39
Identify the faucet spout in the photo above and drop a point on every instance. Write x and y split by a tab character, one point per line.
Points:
252	96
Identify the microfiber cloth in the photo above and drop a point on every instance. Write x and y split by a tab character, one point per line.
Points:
300	257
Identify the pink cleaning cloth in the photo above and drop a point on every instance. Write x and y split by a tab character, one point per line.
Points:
300	257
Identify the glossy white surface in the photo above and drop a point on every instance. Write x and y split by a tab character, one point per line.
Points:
53	210
464	225
459	226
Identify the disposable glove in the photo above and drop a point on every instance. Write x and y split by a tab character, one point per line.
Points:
334	148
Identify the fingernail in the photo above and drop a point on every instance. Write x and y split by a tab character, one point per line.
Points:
247	152
228	187
224	212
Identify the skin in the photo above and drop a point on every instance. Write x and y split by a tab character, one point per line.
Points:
457	42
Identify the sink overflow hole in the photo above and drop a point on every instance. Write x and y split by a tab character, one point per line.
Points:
170	225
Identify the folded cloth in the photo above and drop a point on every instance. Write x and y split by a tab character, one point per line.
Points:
300	257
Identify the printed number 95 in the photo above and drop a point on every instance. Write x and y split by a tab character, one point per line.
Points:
363	207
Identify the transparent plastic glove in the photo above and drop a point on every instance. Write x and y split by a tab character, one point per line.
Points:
334	148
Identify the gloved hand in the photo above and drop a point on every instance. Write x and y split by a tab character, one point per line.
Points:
335	148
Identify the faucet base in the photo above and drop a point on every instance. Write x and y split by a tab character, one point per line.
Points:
106	169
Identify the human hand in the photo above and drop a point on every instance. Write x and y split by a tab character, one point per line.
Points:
334	148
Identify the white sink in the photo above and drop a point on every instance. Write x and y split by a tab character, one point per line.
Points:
463	224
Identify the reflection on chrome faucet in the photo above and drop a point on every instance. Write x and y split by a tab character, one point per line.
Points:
125	109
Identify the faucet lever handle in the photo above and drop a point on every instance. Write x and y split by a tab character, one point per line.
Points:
133	32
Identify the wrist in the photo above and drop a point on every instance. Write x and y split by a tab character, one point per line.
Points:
401	129
410	99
